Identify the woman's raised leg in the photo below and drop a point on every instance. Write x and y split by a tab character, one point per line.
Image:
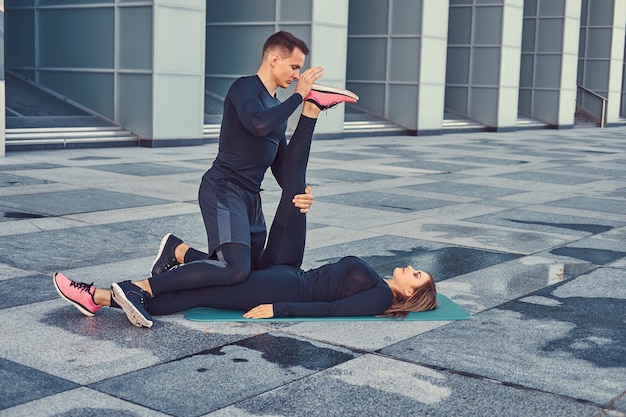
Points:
287	236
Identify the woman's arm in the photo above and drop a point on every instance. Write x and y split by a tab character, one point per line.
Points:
365	303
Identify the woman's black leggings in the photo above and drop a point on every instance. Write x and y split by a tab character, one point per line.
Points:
285	244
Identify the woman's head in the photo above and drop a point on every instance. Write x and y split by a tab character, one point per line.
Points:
413	290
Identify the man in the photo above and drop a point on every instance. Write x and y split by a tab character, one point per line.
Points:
252	138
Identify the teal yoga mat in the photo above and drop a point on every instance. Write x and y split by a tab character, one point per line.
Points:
446	310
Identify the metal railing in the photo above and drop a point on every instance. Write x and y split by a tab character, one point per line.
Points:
592	104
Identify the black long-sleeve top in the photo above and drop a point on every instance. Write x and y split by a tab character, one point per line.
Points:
348	287
252	135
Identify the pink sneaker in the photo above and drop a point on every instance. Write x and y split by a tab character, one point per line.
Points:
79	294
326	97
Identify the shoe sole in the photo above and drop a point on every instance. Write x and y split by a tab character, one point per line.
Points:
161	247
134	316
72	302
340	91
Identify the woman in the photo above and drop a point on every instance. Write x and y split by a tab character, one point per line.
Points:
348	287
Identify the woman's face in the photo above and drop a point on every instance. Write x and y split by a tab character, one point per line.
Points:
410	278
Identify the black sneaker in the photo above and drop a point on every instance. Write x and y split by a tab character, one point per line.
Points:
134	301
165	259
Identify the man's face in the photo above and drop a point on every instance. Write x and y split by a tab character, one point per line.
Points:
286	69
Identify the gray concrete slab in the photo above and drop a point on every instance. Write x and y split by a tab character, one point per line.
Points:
76	201
225	375
374	386
524	229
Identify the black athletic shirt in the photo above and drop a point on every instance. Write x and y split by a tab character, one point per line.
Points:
348	287
252	136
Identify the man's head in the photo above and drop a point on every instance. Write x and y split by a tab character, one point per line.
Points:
283	43
283	58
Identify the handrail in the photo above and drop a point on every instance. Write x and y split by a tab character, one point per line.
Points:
603	99
592	92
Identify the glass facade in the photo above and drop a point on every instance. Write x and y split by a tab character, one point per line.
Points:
144	65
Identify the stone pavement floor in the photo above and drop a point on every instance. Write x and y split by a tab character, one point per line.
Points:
526	230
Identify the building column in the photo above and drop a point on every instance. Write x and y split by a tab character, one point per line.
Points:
482	69
2	86
177	115
569	64
432	68
601	56
616	62
508	91
329	46
549	55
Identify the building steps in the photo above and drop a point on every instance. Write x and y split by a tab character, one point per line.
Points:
20	139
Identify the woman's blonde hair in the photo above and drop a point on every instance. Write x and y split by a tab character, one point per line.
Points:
423	298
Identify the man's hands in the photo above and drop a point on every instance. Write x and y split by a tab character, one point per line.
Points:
263	311
306	80
303	201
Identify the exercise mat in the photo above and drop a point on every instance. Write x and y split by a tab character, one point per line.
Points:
446	310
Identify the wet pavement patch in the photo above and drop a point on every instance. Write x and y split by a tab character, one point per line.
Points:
287	352
446	262
21	167
221	376
591	228
8	180
94	158
20	215
595	256
597	340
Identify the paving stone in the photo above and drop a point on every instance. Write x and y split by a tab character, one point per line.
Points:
22	384
592	204
224	375
384	201
9	180
470	190
146	169
547	177
26	290
547	222
344	175
80	402
371	386
77	201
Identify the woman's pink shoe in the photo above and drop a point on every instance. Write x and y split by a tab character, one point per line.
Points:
79	294
326	97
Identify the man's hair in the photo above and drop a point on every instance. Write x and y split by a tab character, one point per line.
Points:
284	42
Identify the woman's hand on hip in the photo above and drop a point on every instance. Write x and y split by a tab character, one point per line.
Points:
263	311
